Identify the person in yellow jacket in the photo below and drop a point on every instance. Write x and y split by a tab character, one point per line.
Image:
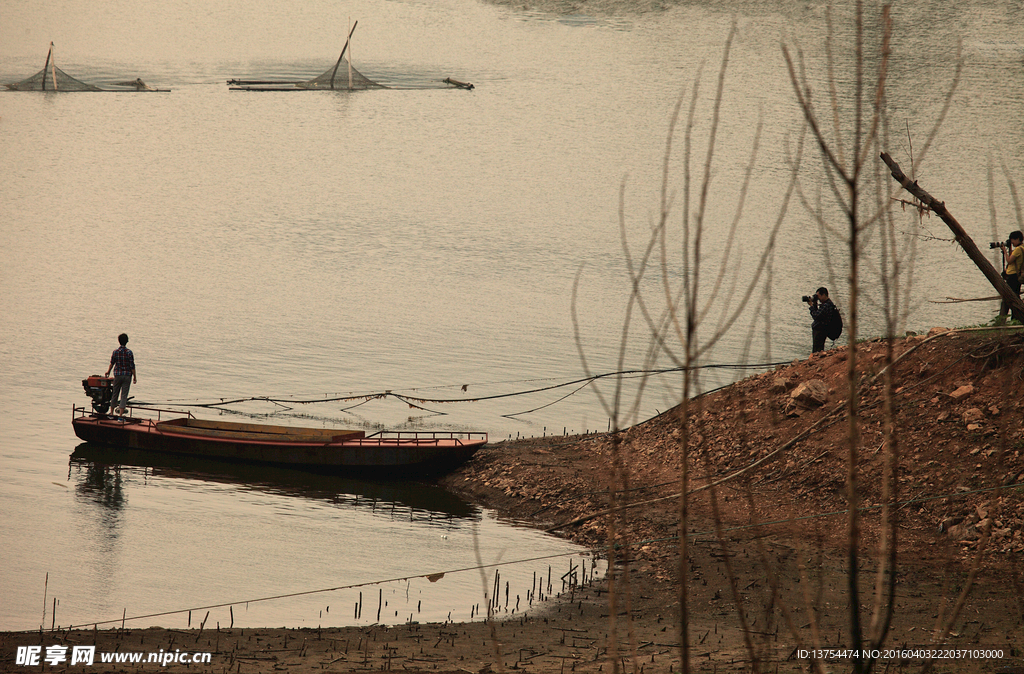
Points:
1013	257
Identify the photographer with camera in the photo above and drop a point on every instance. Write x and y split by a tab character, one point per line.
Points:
826	319
1013	259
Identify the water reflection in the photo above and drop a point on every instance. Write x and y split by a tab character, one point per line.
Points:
271	546
100	484
100	480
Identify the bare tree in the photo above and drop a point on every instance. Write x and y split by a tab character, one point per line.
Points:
673	330
850	130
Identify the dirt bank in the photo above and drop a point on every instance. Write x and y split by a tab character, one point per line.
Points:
767	577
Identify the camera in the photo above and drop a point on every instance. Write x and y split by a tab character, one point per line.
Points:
998	244
809	298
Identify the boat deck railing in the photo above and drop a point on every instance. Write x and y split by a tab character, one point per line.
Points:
423	437
81	410
378	439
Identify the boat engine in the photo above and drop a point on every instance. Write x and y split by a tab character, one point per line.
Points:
99	389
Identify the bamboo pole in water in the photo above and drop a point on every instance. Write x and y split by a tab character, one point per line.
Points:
45	68
335	71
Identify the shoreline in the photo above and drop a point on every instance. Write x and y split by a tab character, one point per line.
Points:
774	545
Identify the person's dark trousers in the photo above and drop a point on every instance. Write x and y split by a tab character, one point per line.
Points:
1014	283
818	337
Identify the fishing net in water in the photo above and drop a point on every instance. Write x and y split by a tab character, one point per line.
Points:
341	76
51	78
337	77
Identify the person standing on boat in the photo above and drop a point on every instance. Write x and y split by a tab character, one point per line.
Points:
122	362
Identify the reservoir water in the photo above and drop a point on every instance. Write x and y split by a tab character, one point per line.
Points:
417	257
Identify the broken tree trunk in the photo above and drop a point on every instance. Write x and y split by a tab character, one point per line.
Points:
966	242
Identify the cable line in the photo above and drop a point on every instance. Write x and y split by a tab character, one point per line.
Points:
352	586
419	401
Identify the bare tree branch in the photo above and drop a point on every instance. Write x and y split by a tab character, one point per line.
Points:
962	238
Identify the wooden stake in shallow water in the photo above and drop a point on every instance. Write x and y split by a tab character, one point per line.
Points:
494	591
46	585
202	625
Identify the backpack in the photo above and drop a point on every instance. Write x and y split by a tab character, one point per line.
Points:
835	325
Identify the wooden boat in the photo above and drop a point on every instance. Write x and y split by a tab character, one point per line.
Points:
387	452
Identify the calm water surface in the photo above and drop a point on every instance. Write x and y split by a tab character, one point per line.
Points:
315	245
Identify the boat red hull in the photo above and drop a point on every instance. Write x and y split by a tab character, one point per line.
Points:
416	452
